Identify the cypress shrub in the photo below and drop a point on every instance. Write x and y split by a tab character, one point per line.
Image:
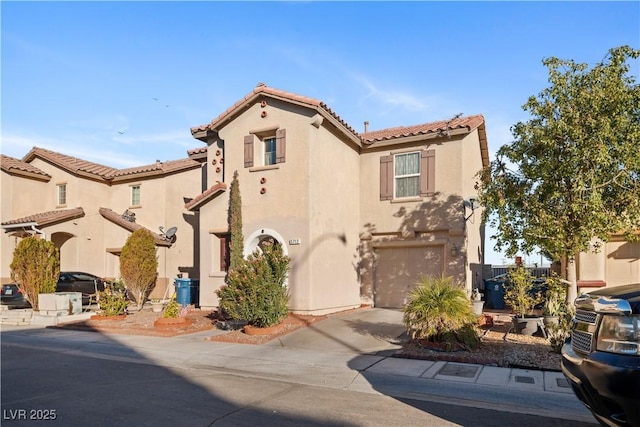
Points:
35	267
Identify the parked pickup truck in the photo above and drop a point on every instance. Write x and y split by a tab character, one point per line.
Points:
601	360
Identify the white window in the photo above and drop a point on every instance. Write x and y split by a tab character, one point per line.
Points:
407	175
269	151
135	195
61	194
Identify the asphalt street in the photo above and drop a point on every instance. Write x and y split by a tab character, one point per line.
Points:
59	388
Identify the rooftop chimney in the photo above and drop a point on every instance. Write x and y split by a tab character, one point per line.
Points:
366	126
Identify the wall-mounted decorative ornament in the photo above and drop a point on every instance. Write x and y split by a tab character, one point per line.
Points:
263	190
218	152
263	104
263	114
263	180
214	161
218	169
222	160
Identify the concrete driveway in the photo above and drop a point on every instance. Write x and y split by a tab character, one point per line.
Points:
361	331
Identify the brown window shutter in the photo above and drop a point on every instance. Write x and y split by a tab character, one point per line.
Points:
281	145
248	151
386	178
427	172
224	252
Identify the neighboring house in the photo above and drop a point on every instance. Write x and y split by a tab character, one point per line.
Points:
363	216
616	262
88	210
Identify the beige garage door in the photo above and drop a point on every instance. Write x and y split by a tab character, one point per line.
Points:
398	270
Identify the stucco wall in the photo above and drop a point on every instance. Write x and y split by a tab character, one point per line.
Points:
439	217
84	241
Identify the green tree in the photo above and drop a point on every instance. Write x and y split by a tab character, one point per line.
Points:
139	265
571	177
35	267
235	223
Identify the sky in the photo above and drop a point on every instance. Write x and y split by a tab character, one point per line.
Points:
122	83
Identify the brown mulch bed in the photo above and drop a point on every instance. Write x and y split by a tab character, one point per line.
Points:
499	347
141	323
292	323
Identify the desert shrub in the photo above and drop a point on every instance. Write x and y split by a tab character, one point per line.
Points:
255	289
35	267
555	298
172	310
559	333
439	311
139	264
519	291
113	300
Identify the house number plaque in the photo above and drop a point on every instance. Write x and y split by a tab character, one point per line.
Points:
294	241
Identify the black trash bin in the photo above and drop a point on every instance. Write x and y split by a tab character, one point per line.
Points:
195	292
494	293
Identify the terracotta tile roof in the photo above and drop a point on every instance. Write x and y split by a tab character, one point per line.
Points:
440	128
209	194
17	167
198	153
106	173
263	90
71	164
43	219
118	219
157	168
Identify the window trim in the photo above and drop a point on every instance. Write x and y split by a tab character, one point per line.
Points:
61	186
427	175
411	175
132	188
250	151
273	154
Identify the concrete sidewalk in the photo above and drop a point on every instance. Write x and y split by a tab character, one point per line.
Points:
350	351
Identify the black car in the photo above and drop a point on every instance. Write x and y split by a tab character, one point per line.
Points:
601	360
12	296
77	281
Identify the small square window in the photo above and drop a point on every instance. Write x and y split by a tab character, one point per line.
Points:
61	190
135	195
269	151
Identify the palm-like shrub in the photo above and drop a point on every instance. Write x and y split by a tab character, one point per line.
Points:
255	290
439	311
35	267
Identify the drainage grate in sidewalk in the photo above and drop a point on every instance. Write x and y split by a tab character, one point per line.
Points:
525	380
562	382
459	371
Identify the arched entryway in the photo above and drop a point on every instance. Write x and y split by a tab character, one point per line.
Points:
68	247
261	236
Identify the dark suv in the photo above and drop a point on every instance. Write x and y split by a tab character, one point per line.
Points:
601	361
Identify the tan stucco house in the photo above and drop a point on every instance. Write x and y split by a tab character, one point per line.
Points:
88	210
363	215
612	263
